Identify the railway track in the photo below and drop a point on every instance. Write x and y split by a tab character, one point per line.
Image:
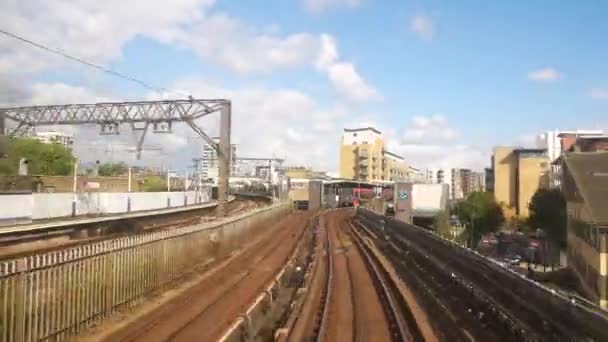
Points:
527	321
205	311
357	302
473	299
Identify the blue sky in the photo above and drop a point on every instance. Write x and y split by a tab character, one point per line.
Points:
444	80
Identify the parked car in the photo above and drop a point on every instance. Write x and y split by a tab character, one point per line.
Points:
513	260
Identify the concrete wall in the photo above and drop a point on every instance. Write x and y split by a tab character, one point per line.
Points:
403	201
16	208
429	197
22	208
315	189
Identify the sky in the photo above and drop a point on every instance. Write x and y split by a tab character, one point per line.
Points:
445	81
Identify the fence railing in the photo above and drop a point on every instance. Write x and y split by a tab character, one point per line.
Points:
55	295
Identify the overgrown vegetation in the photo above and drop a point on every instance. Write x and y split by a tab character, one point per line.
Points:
43	159
548	212
113	169
154	184
480	214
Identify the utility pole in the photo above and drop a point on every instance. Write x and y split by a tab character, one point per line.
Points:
224	158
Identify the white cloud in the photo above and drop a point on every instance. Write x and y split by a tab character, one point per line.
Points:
429	142
349	84
97	31
328	54
547	74
318	6
228	42
599	94
94	30
428	130
444	156
423	26
60	93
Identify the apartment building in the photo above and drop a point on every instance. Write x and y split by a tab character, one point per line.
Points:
394	166
210	165
585	180
363	157
518	173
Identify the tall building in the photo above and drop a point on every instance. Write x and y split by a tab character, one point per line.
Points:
489	179
518	173
456	181
209	163
363	157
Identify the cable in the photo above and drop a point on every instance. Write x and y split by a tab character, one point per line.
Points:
82	61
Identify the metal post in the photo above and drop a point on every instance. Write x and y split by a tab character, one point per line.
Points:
129	191
74	187
2	123
168	182
129	183
224	153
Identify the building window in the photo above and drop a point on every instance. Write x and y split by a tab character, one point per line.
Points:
354	134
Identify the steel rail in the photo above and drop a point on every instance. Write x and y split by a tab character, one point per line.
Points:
391	307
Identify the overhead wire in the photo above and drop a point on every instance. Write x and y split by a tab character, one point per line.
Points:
85	62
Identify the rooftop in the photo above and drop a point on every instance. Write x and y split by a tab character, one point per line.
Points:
393	155
581	133
362	129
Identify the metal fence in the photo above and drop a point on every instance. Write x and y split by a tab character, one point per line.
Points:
56	295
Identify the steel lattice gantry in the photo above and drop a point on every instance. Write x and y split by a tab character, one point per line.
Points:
110	115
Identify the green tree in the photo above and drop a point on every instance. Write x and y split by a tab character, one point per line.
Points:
113	169
441	223
154	184
548	212
480	214
43	159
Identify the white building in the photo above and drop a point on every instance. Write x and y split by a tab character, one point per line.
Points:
54	137
552	141
209	163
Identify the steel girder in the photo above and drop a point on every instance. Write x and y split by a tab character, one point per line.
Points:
113	113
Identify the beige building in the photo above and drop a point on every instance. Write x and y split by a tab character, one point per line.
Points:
394	167
364	158
518	173
299	178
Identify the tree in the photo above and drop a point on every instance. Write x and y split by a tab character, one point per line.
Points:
548	212
43	159
113	169
441	224
480	214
